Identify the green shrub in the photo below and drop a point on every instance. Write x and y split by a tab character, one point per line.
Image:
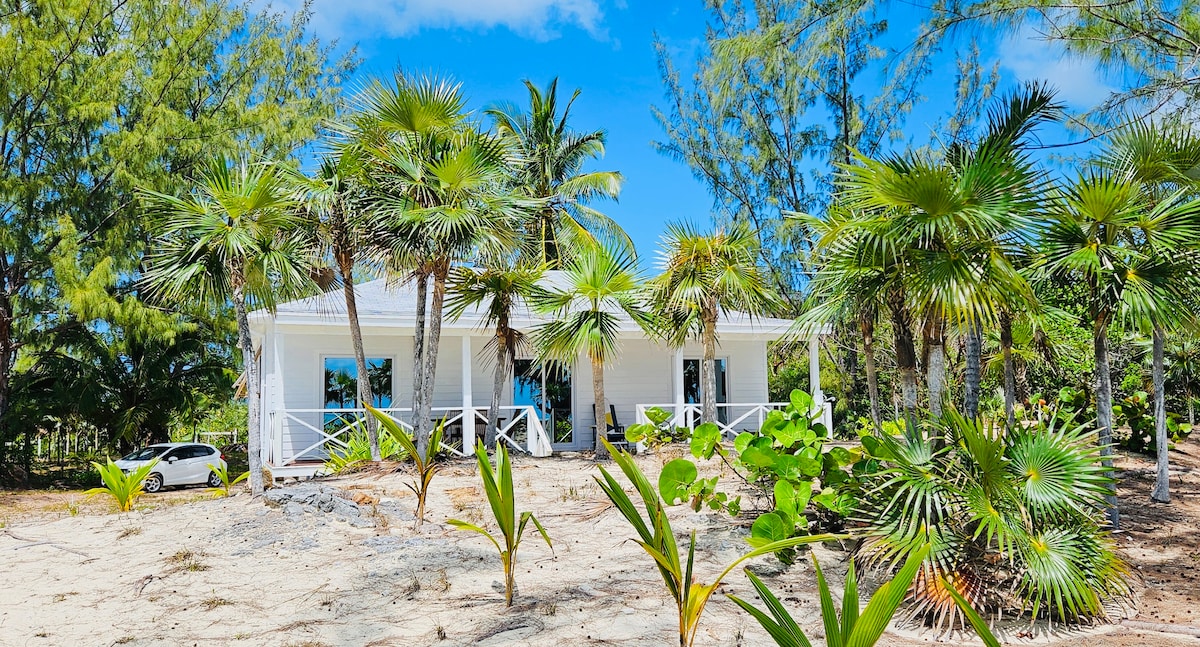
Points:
498	485
124	488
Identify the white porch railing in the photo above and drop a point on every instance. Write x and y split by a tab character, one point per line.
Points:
732	418
320	431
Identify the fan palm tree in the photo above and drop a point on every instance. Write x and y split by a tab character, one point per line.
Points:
1165	159
954	220
703	275
339	227
440	184
549	169
498	291
1098	235
1182	359
598	289
232	238
850	283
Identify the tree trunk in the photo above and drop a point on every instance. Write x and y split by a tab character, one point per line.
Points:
935	371
424	417
906	354
867	327
1162	488
601	406
974	349
253	401
498	379
1010	375
850	362
346	265
708	369
1104	417
7	356
418	365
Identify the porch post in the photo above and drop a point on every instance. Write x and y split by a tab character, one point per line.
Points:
468	410
678	378
814	379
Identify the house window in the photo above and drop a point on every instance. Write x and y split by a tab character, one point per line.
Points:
341	382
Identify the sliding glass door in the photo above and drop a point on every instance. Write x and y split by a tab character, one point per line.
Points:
547	388
693	385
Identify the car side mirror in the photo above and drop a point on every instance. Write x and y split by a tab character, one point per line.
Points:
172	459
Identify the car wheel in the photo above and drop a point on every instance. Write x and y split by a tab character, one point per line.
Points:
153	483
214	480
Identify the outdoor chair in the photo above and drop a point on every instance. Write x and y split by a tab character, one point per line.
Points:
615	433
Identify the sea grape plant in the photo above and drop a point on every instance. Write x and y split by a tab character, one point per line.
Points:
124	488
657	538
498	485
425	464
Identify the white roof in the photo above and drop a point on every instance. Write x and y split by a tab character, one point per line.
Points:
384	303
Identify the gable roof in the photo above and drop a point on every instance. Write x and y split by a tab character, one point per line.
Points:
386	303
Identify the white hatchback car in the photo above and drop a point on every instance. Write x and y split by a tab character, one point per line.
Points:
178	464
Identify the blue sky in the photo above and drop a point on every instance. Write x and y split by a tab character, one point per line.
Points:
604	47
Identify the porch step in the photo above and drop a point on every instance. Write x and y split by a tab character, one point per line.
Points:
297	470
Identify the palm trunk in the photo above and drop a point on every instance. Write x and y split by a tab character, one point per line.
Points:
1162	487
418	365
1104	417
498	379
906	353
867	327
424	415
346	265
974	350
601	405
708	369
253	402
935	371
1010	376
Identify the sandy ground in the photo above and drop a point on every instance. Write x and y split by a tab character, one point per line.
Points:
190	570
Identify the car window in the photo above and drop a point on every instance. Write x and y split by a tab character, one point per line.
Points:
145	454
174	453
201	450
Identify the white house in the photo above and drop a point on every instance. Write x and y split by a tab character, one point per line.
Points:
308	389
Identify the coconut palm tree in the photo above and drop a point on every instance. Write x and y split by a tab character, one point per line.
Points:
233	238
550	169
498	291
703	275
441	186
597	291
339	227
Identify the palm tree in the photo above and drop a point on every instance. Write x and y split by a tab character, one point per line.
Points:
497	290
703	275
955	221
849	285
1103	234
1182	359
339	228
1165	159
550	169
441	185
232	238
598	289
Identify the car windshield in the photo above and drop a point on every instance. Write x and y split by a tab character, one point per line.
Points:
145	454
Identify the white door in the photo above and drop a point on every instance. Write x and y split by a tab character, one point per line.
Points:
174	467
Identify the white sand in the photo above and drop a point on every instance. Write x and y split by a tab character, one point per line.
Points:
263	577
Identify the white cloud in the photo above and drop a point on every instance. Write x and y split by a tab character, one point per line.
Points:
1080	82
352	20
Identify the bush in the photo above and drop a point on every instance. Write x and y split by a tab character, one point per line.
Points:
358	451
